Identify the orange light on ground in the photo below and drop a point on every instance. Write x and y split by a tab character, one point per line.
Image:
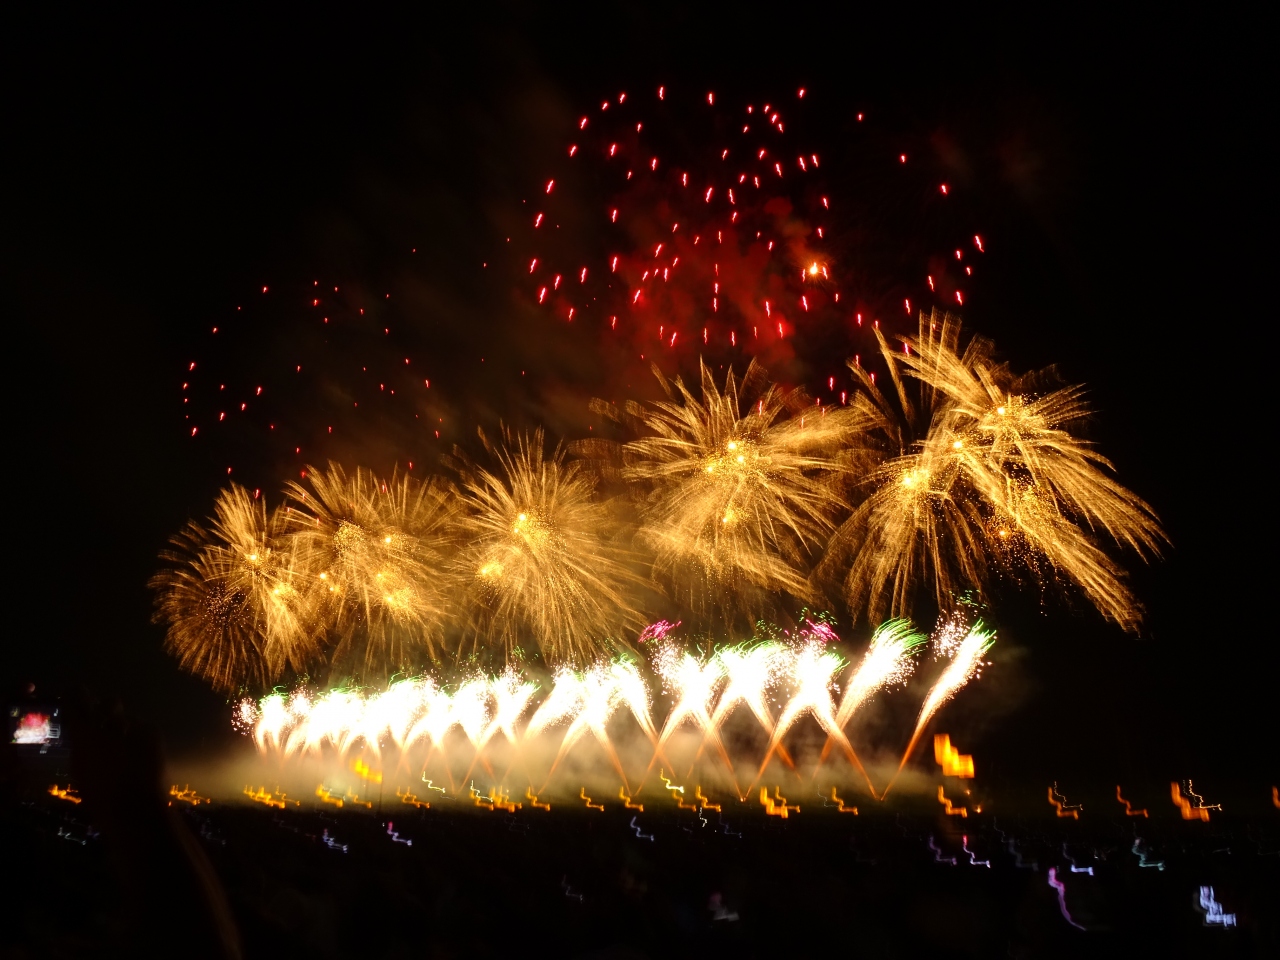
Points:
533	800
626	801
840	807
1060	805
1184	805
325	797
951	811
187	795
1128	810
953	762
776	806
412	800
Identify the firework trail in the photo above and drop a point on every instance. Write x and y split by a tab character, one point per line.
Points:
752	671
420	713
813	672
694	682
602	692
966	662
235	608
542	554
982	473
889	660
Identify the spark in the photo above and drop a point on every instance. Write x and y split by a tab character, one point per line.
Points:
889	660
540	553
736	491
813	672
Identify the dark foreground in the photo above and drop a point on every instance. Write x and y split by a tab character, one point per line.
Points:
316	881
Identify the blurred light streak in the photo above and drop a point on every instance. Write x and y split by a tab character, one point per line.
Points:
1213	913
534	803
1062	896
776	806
953	762
1128	810
948	808
1060	805
973	859
187	795
937	853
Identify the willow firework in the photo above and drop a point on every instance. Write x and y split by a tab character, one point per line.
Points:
738	487
981	474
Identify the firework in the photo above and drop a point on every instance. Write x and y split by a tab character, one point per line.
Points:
235	608
889	660
966	662
694	682
752	671
376	554
542	556
419	714
813	671
981	475
738	486
699	223
605	691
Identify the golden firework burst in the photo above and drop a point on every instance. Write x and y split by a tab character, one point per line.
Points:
738	487
543	555
982	474
234	606
377	556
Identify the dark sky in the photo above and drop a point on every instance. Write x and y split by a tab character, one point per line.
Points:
160	169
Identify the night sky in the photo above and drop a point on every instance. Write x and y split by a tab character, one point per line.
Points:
159	172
